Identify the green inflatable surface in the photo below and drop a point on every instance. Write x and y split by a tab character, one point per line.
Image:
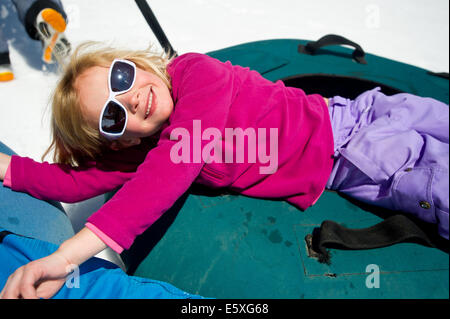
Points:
232	246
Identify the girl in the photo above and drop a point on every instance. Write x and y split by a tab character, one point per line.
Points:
157	124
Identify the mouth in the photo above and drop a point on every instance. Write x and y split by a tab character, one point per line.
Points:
150	104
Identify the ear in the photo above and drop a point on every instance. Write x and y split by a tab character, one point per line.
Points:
124	143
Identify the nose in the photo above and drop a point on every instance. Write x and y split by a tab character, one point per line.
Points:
130	99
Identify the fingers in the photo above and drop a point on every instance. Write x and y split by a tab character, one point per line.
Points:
21	283
40	278
11	289
27	285
49	288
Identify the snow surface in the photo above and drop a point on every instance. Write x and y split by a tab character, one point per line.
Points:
410	31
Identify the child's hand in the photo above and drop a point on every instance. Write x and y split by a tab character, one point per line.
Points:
4	163
44	277
41	278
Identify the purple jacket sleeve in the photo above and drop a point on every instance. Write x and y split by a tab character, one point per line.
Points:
62	182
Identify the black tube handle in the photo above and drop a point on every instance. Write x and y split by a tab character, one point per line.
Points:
155	26
333	39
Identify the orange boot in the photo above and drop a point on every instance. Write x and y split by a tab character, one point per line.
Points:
6	73
51	25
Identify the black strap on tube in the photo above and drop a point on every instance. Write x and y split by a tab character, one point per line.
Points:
393	230
333	39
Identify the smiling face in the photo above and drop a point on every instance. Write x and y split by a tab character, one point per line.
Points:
148	103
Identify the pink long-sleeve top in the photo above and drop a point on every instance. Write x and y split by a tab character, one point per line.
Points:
215	95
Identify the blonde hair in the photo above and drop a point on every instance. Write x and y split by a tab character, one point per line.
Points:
73	140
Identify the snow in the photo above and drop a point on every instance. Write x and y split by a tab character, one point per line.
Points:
410	31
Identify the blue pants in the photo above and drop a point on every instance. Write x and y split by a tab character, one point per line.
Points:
393	152
27	11
25	215
46	226
98	279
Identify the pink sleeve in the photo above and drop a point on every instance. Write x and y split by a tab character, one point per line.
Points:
108	241
62	182
105	238
144	198
315	201
160	181
7	179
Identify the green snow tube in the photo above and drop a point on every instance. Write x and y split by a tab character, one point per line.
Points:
232	246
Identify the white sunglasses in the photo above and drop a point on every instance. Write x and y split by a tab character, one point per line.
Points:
114	116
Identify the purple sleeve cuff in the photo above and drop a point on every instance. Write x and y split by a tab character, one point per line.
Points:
105	238
7	179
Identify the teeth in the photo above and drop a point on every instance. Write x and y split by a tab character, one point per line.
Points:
149	104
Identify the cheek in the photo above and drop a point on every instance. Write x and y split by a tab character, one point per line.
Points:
167	106
91	98
170	106
89	115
